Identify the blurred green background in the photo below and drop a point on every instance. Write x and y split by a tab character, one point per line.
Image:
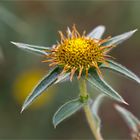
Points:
37	22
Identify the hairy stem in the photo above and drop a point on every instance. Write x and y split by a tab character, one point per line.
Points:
87	110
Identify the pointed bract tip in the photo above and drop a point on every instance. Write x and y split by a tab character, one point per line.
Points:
102	26
13	42
21	110
134	30
123	101
16	43
54	126
138	79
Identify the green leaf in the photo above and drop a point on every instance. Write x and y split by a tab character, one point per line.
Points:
119	39
97	32
114	66
95	109
129	118
105	88
32	48
46	82
67	110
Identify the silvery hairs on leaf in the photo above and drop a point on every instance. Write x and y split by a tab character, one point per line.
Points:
41	50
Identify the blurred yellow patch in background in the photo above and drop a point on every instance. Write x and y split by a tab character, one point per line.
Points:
25	83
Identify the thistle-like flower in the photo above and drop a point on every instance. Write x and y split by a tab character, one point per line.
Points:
79	53
82	56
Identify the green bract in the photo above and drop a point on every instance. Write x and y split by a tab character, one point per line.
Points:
93	78
41	50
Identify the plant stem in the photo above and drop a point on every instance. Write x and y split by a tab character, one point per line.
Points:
87	110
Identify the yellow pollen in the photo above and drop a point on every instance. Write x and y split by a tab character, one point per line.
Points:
78	53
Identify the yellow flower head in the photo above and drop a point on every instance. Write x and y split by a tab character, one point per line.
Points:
78	53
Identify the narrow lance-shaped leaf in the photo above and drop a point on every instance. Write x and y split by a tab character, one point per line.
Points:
97	32
95	108
105	88
119	38
41	50
129	118
46	82
67	110
114	66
